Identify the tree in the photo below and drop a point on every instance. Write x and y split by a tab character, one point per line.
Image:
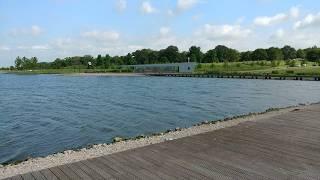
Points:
301	54
171	53
33	62
210	56
289	52
195	54
245	56
106	61
18	63
99	60
226	54
313	54
259	54
274	54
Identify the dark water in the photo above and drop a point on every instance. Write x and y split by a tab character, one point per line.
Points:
44	114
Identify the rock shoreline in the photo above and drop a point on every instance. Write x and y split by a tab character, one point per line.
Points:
121	144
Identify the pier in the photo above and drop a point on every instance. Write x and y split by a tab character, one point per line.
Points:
285	146
265	77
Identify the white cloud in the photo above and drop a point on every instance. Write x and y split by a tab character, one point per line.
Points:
186	4
34	30
294	12
278	18
40	47
226	32
310	21
164	31
267	21
121	5
280	33
4	48
102	35
147	8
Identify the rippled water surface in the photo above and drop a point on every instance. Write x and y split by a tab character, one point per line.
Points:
44	114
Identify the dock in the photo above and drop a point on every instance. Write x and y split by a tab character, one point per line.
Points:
286	146
265	77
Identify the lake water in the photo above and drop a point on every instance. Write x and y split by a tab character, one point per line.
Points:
45	114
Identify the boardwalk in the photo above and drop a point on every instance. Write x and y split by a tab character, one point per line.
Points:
283	147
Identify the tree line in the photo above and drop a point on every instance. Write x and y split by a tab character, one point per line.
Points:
171	54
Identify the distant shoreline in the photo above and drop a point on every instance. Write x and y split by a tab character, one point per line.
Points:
104	74
122	144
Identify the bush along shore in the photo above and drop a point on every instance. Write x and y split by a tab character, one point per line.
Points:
119	144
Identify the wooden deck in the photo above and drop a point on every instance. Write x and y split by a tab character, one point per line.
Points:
283	147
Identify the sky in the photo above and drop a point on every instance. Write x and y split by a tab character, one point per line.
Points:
52	29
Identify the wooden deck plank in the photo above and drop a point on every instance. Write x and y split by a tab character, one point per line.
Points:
286	146
68	172
27	176
76	169
59	174
93	174
98	169
18	177
38	176
48	174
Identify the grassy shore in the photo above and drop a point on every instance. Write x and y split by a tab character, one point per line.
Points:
66	71
260	68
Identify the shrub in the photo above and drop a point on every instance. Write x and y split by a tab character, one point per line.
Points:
290	71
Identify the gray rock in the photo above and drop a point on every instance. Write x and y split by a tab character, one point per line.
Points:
117	139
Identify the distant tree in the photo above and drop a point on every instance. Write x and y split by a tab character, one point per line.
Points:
313	54
99	60
107	61
259	54
245	56
33	62
210	56
171	53
289	52
274	54
18	63
226	54
195	54
301	54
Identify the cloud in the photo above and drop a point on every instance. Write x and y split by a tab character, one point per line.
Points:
294	12
101	35
267	21
164	31
121	5
226	32
34	30
4	48
279	34
40	47
147	8
186	4
310	21
278	18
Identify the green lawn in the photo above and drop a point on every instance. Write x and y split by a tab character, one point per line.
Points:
277	68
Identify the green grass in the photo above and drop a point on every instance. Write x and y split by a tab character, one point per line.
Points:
277	68
67	71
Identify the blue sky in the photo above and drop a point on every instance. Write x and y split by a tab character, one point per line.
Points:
58	28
